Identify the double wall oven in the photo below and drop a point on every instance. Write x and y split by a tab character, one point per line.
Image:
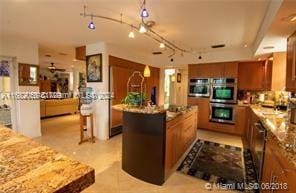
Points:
223	99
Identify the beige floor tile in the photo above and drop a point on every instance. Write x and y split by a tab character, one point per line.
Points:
62	134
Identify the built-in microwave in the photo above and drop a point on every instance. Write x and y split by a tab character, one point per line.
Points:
199	87
224	90
223	113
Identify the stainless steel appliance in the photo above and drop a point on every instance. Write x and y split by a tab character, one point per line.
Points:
223	113
199	87
224	90
259	138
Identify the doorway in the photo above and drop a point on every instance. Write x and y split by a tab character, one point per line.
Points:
8	115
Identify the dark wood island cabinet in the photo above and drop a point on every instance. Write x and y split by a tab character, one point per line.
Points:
154	143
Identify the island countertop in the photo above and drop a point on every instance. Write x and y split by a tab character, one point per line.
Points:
27	166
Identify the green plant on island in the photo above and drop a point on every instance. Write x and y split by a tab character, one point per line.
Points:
134	98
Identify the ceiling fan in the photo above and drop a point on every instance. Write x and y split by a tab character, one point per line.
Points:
52	68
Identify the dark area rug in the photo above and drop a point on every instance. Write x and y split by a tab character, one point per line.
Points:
221	164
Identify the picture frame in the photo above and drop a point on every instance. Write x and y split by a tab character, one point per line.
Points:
94	66
4	68
28	74
179	77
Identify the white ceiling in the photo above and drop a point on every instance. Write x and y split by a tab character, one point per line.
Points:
195	24
279	30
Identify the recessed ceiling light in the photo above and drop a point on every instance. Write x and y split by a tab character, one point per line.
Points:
74	60
246	45
268	47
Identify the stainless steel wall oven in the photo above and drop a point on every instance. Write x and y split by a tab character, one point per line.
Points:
223	113
224	90
199	87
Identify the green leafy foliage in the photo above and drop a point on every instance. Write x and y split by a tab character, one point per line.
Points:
134	98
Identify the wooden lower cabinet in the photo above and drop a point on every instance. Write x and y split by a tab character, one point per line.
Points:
277	171
180	134
203	111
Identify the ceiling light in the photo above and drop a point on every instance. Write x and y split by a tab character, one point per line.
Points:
142	28
245	45
144	13
161	45
74	60
173	78
91	24
293	18
131	35
146	71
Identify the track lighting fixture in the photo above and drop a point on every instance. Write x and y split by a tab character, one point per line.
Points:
142	28
131	35
144	12
161	45
91	24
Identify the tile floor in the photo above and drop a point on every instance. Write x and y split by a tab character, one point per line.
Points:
62	134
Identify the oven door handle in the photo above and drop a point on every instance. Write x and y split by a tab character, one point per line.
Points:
210	110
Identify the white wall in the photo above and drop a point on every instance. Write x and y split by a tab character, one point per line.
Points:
100	107
28	112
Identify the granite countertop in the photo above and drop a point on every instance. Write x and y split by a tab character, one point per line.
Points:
172	111
279	129
27	166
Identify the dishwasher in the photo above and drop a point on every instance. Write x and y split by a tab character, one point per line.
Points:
259	139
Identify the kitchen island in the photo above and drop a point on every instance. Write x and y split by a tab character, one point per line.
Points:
155	140
27	166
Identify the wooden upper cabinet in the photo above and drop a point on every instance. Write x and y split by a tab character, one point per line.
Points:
254	75
80	53
212	70
231	69
291	63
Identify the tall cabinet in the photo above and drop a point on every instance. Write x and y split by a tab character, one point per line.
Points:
291	63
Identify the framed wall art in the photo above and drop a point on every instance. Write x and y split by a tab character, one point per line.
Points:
28	74
94	68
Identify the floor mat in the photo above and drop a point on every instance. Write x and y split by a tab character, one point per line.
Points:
227	166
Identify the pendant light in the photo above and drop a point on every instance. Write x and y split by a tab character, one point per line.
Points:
173	78
91	24
146	71
144	12
131	33
142	28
